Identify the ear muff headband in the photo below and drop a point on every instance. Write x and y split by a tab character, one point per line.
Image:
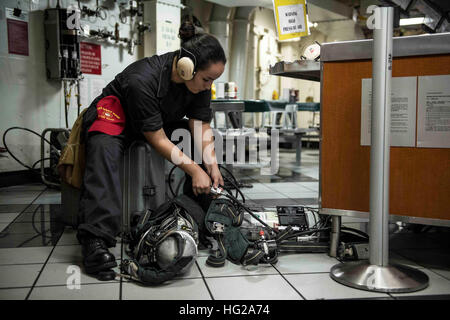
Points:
186	65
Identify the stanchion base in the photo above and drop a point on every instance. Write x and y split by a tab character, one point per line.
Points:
393	278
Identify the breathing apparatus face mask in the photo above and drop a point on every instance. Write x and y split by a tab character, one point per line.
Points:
165	244
162	243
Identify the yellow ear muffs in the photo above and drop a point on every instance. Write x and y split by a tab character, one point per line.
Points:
185	68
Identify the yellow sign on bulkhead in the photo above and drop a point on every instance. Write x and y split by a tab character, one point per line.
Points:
291	19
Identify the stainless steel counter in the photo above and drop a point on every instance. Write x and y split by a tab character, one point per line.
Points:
420	45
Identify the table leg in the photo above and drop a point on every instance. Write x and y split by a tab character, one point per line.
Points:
298	149
335	233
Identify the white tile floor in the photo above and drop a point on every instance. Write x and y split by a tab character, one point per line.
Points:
42	269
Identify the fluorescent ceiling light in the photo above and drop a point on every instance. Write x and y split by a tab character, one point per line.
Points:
411	21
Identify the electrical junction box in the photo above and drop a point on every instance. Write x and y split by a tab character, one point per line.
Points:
62	45
294	216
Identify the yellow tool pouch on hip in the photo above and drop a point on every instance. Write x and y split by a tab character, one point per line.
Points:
72	162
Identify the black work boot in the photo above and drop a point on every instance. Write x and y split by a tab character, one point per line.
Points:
96	255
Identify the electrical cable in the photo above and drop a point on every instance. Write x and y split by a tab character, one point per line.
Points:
14	157
40	160
236	201
230	195
315	219
234	183
237	189
358	232
302	233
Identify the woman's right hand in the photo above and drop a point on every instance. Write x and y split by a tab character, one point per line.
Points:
201	182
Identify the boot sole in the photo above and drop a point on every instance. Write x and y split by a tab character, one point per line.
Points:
102	267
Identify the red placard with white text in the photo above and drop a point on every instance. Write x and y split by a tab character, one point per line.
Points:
91	58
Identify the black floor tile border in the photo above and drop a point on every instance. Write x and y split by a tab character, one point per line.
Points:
13	208
263	274
19	217
292	286
204	280
26	207
19	264
82	284
241	276
40	272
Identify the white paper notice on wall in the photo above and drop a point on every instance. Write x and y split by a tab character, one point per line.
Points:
167	36
433	109
403	111
84	94
97	86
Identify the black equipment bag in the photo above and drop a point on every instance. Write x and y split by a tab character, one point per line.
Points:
223	221
143	183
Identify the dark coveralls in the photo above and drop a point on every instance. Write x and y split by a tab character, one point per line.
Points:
150	101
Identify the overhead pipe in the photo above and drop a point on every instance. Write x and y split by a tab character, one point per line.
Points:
219	27
239	48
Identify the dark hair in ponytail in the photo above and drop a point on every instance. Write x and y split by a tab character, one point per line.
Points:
205	47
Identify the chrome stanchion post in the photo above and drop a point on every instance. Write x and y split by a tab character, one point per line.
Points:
380	137
377	274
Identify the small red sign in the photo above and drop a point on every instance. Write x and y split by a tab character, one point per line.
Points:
91	58
17	37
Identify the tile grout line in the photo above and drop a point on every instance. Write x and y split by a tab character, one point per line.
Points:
440	275
48	258
31	203
390	295
260	274
21	212
406	258
19	264
9	288
204	280
40	272
63	285
289	283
